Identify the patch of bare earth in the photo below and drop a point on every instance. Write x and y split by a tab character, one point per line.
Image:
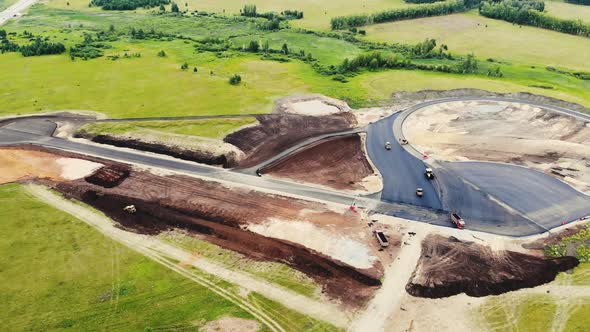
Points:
278	132
448	266
338	162
25	164
339	251
520	134
231	324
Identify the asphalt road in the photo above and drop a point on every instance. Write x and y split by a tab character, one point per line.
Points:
497	198
17	8
402	172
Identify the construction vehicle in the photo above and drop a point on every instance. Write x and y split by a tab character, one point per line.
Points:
419	192
387	145
458	221
130	209
429	174
381	238
403	141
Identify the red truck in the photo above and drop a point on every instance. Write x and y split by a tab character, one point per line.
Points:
458	221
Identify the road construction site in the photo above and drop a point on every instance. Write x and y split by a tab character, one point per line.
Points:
316	179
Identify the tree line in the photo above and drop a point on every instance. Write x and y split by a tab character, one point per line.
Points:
434	9
251	11
579	2
127	4
529	15
422	1
40	46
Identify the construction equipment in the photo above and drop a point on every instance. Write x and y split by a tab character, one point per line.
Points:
381	238
419	192
429	174
387	145
458	221
130	209
403	141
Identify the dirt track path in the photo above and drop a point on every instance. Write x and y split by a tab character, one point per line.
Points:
389	297
162	253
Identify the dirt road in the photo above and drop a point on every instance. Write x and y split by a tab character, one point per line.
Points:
388	299
159	251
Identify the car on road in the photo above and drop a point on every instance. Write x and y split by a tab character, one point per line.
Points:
419	192
429	174
381	238
387	145
457	220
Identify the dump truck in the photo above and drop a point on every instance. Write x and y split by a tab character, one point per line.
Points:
380	235
429	174
458	221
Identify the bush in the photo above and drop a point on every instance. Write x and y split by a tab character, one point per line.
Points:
184	66
235	79
40	47
127	4
162	54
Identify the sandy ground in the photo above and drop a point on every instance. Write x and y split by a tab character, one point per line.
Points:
514	133
312	105
342	248
18	165
156	249
231	324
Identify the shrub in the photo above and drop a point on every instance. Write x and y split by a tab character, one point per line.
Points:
235	79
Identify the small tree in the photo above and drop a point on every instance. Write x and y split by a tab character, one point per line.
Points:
111	28
254	46
161	54
162	8
235	79
195	69
184	66
285	49
249	11
265	46
175	8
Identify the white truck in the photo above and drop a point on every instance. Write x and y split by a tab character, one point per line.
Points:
381	238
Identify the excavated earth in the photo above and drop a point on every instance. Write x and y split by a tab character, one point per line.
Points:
222	215
448	267
226	160
278	132
338	162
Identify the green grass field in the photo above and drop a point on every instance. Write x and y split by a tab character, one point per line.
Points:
465	33
58	273
567	10
210	128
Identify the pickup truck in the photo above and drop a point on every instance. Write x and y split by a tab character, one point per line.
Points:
381	238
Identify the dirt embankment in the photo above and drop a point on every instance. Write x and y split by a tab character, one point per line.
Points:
227	160
448	267
338	162
222	215
278	132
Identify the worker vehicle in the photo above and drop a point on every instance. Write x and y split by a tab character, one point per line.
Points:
429	174
419	192
258	172
403	141
458	221
130	209
387	145
381	238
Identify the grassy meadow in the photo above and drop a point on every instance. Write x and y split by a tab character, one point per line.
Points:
210	128
487	38
59	273
567	10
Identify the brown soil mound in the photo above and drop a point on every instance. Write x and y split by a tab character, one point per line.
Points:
221	214
449	267
204	157
337	162
109	176
278	132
